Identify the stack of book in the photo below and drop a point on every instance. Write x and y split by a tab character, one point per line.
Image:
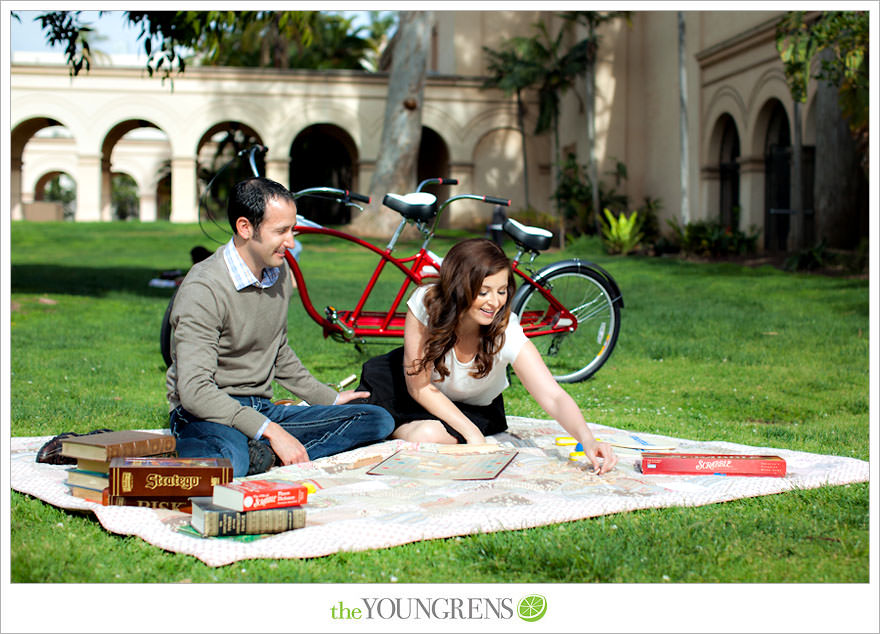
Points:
93	454
250	507
138	468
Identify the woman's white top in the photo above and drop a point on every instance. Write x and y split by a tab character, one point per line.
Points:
460	385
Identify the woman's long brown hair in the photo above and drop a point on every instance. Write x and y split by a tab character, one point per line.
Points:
464	268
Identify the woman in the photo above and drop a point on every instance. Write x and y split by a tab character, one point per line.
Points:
445	385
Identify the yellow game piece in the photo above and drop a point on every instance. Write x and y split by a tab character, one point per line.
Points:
565	440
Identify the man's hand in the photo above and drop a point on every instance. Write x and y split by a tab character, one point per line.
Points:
349	395
288	449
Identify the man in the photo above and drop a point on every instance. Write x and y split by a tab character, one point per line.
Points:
230	343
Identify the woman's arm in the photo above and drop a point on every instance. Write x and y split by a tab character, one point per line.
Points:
423	391
537	379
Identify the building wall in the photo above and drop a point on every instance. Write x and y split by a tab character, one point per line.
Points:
732	69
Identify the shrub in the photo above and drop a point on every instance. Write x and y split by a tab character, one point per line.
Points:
621	234
711	239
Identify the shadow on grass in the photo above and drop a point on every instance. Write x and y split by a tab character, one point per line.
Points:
84	280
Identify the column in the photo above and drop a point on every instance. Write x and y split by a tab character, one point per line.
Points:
16	211
752	195
710	195
184	202
88	188
148	206
106	191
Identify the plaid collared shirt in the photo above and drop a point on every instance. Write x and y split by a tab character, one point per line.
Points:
241	275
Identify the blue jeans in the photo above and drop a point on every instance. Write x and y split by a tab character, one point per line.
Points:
323	430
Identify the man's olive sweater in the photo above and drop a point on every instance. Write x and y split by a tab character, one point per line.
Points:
229	342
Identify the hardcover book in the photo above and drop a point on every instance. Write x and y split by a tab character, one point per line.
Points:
211	520
181	504
167	477
103	466
86	493
713	464
98	466
91	479
252	495
114	444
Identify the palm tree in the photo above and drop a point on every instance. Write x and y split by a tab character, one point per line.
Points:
683	130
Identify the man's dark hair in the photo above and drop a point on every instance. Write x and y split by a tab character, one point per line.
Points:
249	197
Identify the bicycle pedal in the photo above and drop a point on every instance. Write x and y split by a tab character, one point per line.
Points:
333	318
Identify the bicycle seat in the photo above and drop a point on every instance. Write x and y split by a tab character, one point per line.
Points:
533	238
415	206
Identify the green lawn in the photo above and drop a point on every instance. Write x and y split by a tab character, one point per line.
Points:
706	352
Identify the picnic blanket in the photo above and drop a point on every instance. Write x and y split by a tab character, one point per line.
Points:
354	511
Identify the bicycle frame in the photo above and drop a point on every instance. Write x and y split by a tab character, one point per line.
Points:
356	324
556	320
540	319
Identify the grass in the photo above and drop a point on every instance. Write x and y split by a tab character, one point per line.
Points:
706	352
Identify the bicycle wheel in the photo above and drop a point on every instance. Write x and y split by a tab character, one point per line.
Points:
572	356
166	332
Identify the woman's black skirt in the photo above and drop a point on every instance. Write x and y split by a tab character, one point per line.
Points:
383	377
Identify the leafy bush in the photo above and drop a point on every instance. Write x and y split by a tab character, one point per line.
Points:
650	221
707	238
621	234
808	259
574	196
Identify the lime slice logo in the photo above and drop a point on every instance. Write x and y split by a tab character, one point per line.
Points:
532	607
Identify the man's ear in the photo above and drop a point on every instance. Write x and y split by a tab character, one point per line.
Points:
244	228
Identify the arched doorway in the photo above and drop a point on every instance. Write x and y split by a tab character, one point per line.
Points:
777	180
217	147
54	198
323	155
33	151
433	163
125	198
143	153
728	168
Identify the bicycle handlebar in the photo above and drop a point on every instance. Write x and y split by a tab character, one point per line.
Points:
359	197
437	181
341	195
497	201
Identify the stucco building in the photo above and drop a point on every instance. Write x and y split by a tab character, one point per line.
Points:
739	123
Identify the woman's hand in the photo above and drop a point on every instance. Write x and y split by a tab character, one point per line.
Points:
594	450
474	437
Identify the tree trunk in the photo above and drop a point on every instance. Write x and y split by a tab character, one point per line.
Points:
402	129
683	121
590	115
840	199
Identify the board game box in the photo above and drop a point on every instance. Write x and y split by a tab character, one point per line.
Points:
712	464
